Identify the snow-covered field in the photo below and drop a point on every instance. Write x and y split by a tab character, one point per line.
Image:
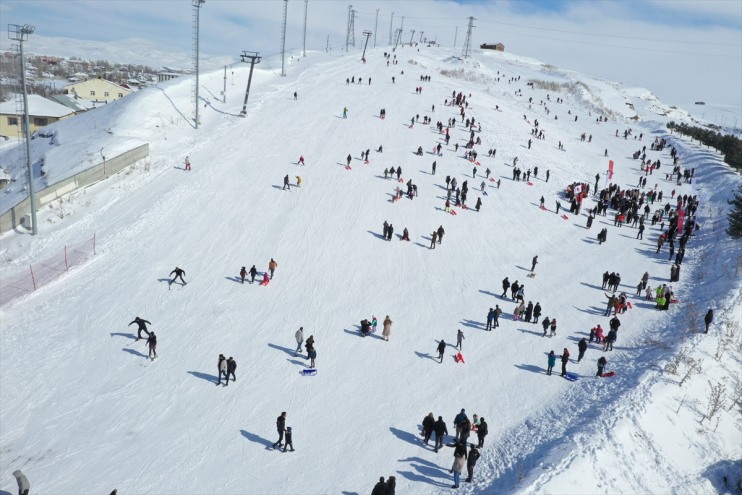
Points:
84	411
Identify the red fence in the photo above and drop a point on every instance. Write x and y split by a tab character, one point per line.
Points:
44	272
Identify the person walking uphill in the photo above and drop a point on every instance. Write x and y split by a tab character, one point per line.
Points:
441	349
708	319
387	328
471	462
243	274
253	274
379	488
459	461
221	368
272	265
299	336
231	368
482	431
178	275
440	433
142	326
428	427
550	362
281	428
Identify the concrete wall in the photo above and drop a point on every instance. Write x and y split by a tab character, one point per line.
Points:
14	217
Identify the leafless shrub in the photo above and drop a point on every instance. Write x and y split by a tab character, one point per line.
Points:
660	344
715	402
674	364
693	367
691	316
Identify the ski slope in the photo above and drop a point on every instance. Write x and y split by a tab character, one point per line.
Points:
84	411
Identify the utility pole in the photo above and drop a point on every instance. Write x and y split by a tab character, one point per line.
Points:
367	34
327	45
283	36
196	14
224	93
306	6
401	28
421	36
376	26
254	59
466	51
412	36
391	23
397	35
455	35
20	34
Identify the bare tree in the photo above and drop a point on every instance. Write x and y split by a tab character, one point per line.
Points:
715	403
693	368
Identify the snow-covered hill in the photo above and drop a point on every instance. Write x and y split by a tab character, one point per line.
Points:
84	411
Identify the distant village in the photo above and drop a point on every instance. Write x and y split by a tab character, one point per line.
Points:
60	88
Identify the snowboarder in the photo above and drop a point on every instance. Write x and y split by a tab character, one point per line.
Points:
582	346
243	274
178	274
281	428
387	331
141	326
152	343
534	262
272	265
460	339
253	274
550	362
441	350
231	368
286	182
289	440
440	433
565	360
299	336
471	462
708	319
221	368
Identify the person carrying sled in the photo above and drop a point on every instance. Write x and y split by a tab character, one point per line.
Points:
141	326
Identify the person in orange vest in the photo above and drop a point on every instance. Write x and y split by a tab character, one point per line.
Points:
272	267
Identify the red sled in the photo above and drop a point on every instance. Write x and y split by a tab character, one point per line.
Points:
453	212
348	167
565	217
459	358
543	207
674	301
492	180
608	374
266	282
628	303
477	163
401	179
464	207
395	199
529	183
410	126
366	162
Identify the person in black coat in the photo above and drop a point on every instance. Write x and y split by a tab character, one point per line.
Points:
178	274
142	326
440	432
280	427
231	368
428	426
471	461
379	488
441	349
601	365
536	312
582	347
482	432
505	287
253	274
391	485
708	319
529	311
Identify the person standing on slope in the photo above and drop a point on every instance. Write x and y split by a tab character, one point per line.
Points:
471	462
231	368
565	360
387	331
178	275
440	433
550	362
253	274
272	265
243	274
221	368
441	349
299	336
534	262
141	326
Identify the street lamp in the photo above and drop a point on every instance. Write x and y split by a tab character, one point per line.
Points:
20	34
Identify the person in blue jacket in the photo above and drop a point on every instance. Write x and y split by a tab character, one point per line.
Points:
551	362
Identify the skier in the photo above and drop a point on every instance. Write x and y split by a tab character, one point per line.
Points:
565	360
253	274
152	342
286	182
440	433
178	274
281	428
441	349
243	274
231	368
460	339
187	163
299	336
289	440
471	462
301	160
534	262
550	362
582	346
272	265
221	368
387	328
141	325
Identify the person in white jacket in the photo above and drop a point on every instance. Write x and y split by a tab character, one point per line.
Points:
23	485
299	335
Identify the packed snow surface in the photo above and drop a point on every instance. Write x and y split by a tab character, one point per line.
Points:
84	410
